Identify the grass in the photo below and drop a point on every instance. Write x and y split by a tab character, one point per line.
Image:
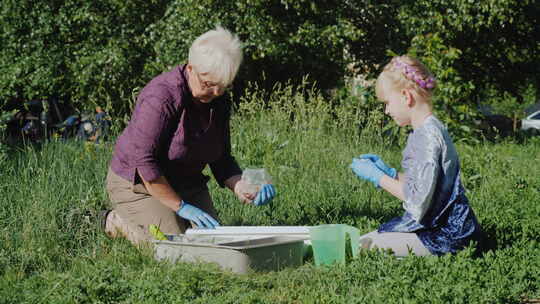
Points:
51	250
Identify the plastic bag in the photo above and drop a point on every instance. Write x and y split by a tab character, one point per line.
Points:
255	178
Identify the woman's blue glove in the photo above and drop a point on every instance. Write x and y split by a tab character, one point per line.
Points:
196	215
367	170
265	195
380	164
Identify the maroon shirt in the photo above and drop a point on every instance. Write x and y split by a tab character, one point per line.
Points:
174	135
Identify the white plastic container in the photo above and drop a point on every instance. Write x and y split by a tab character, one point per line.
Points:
254	231
239	254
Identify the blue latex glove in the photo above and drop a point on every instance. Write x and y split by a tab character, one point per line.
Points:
196	215
265	195
392	172
367	170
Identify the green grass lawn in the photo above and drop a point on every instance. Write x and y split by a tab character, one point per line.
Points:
51	250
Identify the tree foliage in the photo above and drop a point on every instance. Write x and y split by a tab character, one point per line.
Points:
282	39
83	52
100	52
479	51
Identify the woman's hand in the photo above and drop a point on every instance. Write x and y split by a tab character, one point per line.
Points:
196	215
244	192
265	195
249	194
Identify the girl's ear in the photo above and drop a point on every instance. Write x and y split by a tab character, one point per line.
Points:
409	98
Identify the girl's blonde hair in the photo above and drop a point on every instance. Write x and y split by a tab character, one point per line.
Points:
405	72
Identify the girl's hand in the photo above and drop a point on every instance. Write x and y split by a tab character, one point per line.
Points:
392	172
367	170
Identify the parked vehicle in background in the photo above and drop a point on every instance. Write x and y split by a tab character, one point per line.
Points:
531	122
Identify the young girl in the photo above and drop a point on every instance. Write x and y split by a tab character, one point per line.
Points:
438	218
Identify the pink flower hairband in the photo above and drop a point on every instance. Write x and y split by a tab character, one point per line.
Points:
415	75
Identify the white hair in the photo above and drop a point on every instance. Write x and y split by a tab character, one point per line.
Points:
217	52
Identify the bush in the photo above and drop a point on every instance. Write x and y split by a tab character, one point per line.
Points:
475	48
452	99
4	118
101	52
88	53
283	40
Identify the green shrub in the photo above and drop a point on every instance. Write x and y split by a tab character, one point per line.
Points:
283	40
89	53
475	47
101	52
453	96
4	149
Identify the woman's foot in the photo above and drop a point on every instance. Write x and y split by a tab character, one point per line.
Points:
114	226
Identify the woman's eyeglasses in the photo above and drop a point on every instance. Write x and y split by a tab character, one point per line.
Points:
208	85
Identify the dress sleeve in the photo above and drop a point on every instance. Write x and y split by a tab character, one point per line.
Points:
422	169
150	126
226	166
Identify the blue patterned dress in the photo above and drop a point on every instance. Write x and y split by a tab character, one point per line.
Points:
436	208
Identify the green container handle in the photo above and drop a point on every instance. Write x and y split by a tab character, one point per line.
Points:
354	234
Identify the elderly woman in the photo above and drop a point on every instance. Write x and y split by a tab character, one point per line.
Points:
179	125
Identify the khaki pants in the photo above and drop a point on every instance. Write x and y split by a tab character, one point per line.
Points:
134	209
400	243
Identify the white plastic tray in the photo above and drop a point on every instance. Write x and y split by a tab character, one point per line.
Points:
255	231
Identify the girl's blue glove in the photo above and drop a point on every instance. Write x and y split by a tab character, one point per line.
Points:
265	195
367	170
392	172
196	215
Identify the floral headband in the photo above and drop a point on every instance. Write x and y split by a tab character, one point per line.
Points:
414	74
